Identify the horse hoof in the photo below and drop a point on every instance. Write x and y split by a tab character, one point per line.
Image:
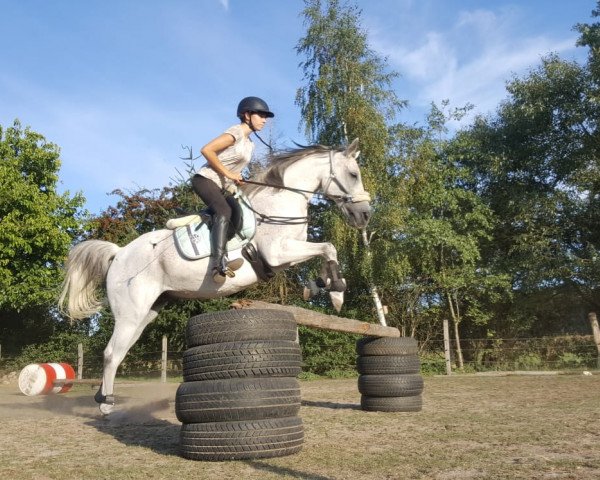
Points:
337	300
106	408
338	285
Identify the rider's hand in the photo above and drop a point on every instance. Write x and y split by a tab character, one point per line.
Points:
237	178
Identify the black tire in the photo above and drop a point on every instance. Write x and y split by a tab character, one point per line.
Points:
390	385
240	326
237	399
243	440
388	365
392	404
387	346
277	358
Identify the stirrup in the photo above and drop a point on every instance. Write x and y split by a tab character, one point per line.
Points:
218	277
226	269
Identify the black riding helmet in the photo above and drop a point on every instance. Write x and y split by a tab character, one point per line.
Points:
253	104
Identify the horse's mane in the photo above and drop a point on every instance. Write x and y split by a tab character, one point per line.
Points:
277	163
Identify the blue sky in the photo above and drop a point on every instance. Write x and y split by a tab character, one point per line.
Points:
121	85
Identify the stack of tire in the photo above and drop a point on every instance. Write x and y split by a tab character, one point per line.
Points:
389	379
240	397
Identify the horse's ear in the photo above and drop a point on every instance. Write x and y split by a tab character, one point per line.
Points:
352	150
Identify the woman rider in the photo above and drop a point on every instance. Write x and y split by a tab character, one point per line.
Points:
226	157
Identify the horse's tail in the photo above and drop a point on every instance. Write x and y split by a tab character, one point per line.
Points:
86	269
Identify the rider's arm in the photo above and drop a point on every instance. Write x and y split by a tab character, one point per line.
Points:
213	148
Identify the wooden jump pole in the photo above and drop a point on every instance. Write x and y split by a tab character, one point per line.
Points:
80	361
596	332
447	347
78	381
163	360
314	319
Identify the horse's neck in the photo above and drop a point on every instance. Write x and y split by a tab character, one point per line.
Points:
306	174
272	201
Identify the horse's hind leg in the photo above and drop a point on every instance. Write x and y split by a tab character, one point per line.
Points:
126	332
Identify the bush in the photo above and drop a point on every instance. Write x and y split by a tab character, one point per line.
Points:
61	347
570	360
328	353
432	363
528	361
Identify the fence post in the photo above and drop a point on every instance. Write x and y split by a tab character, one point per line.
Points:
447	347
596	332
79	361
163	369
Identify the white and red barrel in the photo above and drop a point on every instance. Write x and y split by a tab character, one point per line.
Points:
40	378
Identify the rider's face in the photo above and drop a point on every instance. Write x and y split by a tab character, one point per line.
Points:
258	120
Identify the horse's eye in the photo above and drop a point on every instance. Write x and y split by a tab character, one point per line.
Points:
354	175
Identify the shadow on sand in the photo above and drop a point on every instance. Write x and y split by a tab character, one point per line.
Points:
332	405
140	426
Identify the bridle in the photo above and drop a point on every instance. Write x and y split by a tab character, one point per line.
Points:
338	199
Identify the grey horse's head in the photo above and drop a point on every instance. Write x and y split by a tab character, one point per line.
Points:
345	186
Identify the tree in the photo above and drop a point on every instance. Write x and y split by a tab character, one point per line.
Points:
535	165
37	225
347	94
444	229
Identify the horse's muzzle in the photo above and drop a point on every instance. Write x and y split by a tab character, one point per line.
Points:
358	214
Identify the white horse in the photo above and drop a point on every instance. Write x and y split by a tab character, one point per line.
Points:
142	276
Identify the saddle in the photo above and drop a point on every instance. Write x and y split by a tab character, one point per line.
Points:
192	233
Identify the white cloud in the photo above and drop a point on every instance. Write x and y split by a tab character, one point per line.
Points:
225	4
470	61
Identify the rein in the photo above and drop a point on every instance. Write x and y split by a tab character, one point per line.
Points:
274	219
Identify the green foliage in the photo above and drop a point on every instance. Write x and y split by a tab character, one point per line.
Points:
61	347
528	361
432	363
36	223
328	353
347	86
536	168
570	360
347	94
140	212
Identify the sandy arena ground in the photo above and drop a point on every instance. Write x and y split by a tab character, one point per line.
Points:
471	427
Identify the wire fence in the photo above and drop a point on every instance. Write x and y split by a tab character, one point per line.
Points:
479	355
539	353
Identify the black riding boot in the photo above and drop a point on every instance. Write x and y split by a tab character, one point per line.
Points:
218	239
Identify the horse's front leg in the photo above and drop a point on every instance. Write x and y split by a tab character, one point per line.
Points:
330	277
291	252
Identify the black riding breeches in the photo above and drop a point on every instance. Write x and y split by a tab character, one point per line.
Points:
212	196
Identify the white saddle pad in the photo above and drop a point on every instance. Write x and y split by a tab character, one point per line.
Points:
192	238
